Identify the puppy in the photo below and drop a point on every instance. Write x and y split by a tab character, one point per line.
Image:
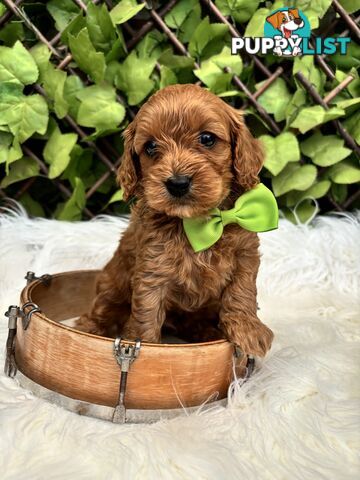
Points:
287	22
185	153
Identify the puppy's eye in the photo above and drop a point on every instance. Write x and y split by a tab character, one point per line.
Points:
291	17
150	148
284	20
207	139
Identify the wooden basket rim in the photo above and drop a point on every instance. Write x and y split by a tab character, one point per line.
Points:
25	296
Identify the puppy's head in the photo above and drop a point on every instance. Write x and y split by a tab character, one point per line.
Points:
286	21
185	150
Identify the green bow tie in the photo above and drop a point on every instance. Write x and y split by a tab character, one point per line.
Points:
255	210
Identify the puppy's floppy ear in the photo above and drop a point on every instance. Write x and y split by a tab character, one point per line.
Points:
247	152
274	19
129	170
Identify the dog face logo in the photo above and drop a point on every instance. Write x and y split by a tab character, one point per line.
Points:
287	27
286	21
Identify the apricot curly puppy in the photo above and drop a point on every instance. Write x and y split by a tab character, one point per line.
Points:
186	152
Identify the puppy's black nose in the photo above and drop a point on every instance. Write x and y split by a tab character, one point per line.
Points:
178	185
298	21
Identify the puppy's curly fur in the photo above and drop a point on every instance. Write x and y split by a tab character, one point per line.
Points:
154	276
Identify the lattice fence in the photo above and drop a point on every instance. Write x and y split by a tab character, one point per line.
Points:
38	25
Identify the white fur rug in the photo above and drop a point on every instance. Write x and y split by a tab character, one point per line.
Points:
297	418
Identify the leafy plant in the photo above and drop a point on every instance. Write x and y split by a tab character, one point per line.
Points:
61	127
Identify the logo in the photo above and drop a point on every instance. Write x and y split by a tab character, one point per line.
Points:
287	33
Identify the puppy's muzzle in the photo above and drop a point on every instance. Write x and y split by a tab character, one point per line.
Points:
178	185
298	21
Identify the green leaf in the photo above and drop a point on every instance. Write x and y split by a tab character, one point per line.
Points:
317	190
62	11
275	99
350	105
101	133
118	49
10	150
294	177
17	65
73	28
345	172
303	212
133	77
20	170
152	45
54	82
353	87
185	16
310	117
99	108
41	55
5	142
212	72
176	62
350	5
23	115
125	10
352	125
348	61
339	192
80	165
14	153
12	32
324	150
292	110
167	77
279	151
179	13
306	66
116	197
205	33
240	10
31	206
230	93
73	208
57	151
313	9
100	27
255	28
73	85
86	57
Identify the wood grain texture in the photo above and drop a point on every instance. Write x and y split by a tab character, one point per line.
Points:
83	366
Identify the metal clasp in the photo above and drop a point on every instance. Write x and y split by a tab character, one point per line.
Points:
26	316
30	277
10	367
25	313
125	355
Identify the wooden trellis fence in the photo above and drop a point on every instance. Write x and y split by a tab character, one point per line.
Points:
133	33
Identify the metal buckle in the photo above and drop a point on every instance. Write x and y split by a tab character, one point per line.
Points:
45	279
13	313
10	367
125	355
26	316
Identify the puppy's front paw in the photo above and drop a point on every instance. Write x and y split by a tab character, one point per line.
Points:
134	330
253	337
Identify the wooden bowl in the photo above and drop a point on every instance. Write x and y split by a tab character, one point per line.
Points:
83	366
